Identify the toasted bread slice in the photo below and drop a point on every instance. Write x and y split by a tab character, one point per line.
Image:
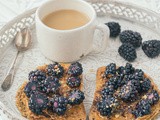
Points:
95	115
76	112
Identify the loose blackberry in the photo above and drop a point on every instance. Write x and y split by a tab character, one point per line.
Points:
75	69
142	108
75	97
38	102
73	81
51	85
104	108
129	69
59	105
31	88
145	85
55	70
107	91
151	48
129	36
128	52
110	70
114	28
38	76
128	93
152	97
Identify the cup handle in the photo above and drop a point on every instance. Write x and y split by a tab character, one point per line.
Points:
105	40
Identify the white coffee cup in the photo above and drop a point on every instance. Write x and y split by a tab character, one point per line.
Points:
68	45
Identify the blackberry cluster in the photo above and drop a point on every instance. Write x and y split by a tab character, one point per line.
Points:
59	105
131	37
75	69
142	108
106	106
51	85
145	85
110	70
38	102
38	76
151	48
153	97
73	81
139	74
114	28
75	97
55	70
128	93
31	88
128	52
107	91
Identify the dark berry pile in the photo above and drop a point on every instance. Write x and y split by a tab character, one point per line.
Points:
114	28
55	70
44	89
131	37
151	48
128	52
125	84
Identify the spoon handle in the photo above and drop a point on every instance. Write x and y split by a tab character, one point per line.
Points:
8	80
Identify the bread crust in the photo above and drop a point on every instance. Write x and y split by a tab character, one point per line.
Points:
94	114
76	112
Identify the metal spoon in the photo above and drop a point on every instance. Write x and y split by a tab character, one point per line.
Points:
22	43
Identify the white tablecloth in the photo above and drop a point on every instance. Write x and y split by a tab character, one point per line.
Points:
11	8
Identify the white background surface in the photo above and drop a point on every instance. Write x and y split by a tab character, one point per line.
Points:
11	8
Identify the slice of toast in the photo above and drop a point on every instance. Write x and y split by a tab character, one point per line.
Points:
76	112
95	115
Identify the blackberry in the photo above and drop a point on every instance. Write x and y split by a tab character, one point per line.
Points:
145	85
152	97
142	108
31	88
151	48
104	108
129	36
73	81
120	71
55	70
128	52
38	102
133	80
107	91
114	28
75	97
116	81
110	70
139	74
51	85
59	105
38	76
107	106
128	93
129	69
75	69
